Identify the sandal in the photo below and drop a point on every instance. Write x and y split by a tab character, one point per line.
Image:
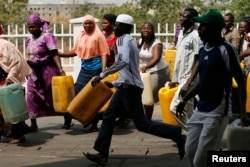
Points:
123	122
16	141
97	158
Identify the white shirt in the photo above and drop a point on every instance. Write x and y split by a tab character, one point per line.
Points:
147	54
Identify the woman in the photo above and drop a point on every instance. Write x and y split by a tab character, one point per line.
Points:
45	63
152	62
92	49
13	69
108	23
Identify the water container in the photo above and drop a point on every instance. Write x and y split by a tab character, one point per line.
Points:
110	78
238	136
248	94
63	92
147	94
170	60
13	103
166	95
105	106
88	102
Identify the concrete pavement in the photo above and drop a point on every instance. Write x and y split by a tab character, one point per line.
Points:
52	146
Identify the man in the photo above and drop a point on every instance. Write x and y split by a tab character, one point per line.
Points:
128	95
230	31
244	48
216	64
187	47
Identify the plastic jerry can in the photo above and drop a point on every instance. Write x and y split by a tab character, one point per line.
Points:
147	94
110	78
88	102
248	94
63	92
170	60
166	95
13	103
105	106
238	136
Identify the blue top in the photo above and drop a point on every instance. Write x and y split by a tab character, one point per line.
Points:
215	74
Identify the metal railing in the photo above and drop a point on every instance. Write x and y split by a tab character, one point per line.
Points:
17	34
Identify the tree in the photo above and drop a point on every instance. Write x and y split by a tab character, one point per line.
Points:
13	11
240	9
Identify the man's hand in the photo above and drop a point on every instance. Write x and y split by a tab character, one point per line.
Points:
180	109
108	84
172	84
95	81
184	90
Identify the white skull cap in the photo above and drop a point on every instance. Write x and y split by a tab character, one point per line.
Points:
126	19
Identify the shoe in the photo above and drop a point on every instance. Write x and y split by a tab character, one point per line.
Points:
97	158
16	141
181	146
123	122
67	126
93	129
33	129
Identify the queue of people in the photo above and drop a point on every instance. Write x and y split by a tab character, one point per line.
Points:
200	58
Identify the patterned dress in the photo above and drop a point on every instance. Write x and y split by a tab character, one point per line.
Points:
39	93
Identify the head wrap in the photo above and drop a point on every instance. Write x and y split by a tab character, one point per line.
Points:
88	17
35	19
91	45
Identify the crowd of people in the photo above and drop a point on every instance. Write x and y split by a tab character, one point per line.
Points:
208	55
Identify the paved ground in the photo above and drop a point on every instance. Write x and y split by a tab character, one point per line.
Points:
55	147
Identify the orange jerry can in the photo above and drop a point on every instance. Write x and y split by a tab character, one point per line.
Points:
166	95
248	94
169	57
88	102
63	92
110	78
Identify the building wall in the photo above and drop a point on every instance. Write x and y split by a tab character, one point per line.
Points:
53	12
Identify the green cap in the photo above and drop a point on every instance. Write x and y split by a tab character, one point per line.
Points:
212	17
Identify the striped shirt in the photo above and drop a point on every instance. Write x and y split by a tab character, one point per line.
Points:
126	63
187	47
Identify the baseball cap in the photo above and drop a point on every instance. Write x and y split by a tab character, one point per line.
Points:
212	17
125	18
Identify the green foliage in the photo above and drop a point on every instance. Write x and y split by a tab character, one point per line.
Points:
155	11
13	13
83	10
240	9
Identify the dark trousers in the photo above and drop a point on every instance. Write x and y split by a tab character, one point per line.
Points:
130	98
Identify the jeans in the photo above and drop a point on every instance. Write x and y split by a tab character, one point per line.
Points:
203	131
130	98
84	77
